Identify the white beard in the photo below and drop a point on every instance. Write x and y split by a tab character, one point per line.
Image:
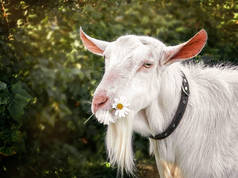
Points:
119	142
105	117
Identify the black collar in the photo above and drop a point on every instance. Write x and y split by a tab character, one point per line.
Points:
179	113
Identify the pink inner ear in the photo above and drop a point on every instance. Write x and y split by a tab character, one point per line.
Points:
89	44
192	47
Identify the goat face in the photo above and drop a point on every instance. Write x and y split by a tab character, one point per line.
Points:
130	72
132	68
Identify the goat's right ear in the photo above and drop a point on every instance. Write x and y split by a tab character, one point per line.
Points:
93	45
187	50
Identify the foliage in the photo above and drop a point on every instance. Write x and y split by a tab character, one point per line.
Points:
47	78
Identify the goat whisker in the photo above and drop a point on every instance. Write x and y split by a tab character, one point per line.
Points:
85	122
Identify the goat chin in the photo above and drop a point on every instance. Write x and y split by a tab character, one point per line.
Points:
119	144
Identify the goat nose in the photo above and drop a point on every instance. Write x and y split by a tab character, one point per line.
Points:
99	101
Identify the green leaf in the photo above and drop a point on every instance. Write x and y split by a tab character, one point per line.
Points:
19	101
20	22
3	86
4	94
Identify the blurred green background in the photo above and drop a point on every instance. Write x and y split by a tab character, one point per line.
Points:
47	77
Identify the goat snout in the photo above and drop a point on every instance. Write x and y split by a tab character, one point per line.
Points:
99	101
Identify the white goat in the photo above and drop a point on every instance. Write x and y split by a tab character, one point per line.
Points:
148	74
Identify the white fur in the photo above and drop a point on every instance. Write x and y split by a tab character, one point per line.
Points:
205	144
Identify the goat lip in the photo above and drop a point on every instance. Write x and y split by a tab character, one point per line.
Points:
106	107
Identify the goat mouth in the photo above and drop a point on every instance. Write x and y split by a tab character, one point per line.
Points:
108	116
105	117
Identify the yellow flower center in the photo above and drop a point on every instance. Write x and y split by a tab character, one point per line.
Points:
119	106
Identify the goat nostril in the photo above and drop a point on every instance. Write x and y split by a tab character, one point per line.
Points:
99	102
102	102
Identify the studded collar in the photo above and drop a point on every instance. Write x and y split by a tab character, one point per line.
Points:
179	113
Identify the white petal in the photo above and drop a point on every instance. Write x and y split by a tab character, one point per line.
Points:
122	114
117	113
126	104
126	109
114	106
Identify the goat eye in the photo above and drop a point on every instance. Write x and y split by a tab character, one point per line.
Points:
147	65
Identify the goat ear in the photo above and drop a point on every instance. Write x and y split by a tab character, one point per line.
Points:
187	50
93	45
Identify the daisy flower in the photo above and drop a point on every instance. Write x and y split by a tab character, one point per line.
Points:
121	107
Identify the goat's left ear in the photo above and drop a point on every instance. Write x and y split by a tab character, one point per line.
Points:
187	50
93	45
